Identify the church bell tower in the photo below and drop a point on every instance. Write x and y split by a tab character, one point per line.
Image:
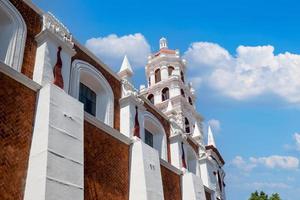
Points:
167	88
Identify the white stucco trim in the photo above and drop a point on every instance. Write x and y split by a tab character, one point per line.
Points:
149	116
170	167
21	78
15	52
79	67
109	130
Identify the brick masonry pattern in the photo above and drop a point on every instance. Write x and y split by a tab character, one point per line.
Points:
17	105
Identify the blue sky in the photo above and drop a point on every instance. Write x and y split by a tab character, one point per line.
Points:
248	87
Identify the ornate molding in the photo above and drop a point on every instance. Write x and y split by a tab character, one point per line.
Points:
51	23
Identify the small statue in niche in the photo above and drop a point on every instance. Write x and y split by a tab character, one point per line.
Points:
58	79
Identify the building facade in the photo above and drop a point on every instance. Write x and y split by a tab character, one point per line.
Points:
73	129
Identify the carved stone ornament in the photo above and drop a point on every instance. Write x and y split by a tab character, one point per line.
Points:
51	23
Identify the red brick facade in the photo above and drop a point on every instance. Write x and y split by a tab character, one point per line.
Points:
171	184
34	26
17	105
106	166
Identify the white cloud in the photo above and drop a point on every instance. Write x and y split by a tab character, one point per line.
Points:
297	139
214	124
269	185
251	72
273	162
112	48
283	162
241	164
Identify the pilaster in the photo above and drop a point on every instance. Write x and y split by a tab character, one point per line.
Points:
55	169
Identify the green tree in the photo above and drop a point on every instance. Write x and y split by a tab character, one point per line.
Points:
263	196
275	197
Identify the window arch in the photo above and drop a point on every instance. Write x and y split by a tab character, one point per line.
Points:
182	76
82	73
155	135
12	35
151	98
187	125
157	76
190	101
182	92
165	94
191	158
170	70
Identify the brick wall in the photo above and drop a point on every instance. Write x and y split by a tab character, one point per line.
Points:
106	166
17	105
171	184
34	26
114	83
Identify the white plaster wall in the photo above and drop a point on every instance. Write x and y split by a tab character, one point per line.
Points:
192	187
55	168
175	154
164	73
46	58
145	173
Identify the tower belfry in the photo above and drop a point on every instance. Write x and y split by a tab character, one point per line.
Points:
163	43
167	86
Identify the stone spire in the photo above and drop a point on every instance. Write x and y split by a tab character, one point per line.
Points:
170	107
163	44
125	70
210	138
196	133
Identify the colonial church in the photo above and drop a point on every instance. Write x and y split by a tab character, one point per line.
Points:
72	129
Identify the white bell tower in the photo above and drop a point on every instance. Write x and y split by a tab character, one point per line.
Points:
167	88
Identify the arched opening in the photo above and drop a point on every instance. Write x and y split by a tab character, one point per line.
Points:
151	98
182	92
12	35
165	94
182	76
190	101
155	135
157	76
170	70
90	87
187	125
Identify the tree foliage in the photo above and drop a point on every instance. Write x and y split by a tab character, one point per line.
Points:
263	196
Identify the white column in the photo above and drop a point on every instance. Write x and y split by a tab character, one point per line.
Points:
46	58
164	73
192	187
157	97
55	169
127	115
145	173
152	78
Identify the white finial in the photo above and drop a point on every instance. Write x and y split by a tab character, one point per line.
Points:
163	43
170	107
125	70
210	138
196	132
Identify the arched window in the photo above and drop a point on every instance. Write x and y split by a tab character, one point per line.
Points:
182	92
157	76
182	76
151	98
190	101
155	135
12	35
165	94
187	125
88	85
170	70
